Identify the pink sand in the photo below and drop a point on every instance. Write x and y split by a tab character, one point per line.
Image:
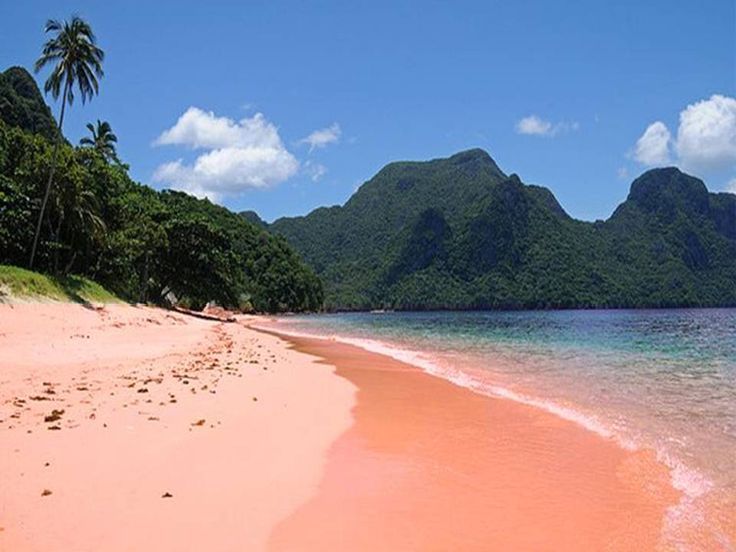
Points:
232	477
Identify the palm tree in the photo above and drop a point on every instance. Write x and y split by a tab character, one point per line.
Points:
102	141
77	61
78	210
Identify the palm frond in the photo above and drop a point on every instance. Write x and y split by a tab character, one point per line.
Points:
76	59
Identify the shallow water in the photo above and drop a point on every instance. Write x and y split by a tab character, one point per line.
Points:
660	380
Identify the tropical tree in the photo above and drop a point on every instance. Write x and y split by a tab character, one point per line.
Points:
102	140
77	61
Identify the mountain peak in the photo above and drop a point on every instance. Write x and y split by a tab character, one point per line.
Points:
668	188
474	159
473	153
22	105
252	216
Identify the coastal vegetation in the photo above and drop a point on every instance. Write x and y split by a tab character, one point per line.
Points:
139	243
458	233
19	283
77	62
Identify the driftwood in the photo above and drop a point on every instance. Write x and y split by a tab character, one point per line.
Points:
222	316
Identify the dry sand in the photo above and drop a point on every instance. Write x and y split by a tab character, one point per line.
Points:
226	420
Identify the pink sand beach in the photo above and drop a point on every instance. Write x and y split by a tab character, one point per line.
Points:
134	428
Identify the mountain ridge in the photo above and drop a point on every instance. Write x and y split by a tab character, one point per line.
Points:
457	232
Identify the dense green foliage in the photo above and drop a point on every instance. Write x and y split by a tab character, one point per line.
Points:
22	105
458	233
139	243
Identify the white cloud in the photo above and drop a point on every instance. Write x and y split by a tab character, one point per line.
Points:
323	137
653	147
731	186
533	125
705	142
706	137
536	126
315	171
241	155
622	173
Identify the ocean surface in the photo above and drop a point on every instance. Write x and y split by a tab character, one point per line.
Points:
662	380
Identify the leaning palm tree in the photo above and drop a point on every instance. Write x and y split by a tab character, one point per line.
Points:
76	60
102	140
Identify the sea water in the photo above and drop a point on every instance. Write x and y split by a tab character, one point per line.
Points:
663	380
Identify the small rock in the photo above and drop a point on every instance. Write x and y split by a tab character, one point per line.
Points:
45	492
167	495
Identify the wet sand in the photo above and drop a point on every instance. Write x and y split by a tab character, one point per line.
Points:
428	465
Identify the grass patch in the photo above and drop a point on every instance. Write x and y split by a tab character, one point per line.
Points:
20	283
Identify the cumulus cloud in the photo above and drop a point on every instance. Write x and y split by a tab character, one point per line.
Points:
705	141
323	137
240	155
706	137
653	147
536	126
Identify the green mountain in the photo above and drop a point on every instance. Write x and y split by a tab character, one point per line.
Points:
459	233
140	243
21	104
252	216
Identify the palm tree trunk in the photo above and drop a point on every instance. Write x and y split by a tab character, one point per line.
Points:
51	176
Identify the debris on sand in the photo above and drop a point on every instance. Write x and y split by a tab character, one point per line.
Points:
54	416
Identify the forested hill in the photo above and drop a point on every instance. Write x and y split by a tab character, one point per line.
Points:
138	242
459	233
21	104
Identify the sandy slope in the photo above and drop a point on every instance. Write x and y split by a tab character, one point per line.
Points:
228	421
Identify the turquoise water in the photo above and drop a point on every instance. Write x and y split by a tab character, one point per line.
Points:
663	380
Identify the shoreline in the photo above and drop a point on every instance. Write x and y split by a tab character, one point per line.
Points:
517	476
383	447
703	516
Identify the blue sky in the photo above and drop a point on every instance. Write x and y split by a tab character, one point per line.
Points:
577	96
